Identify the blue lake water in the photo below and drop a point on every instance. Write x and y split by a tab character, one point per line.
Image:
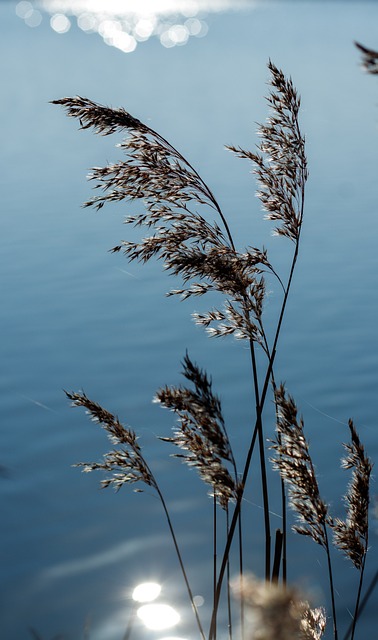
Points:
73	316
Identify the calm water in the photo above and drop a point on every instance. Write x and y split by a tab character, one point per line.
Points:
75	317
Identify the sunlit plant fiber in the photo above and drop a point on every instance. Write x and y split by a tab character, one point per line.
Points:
187	229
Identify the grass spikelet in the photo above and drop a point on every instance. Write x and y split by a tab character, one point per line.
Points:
175	198
201	431
126	463
294	463
281	165
351	534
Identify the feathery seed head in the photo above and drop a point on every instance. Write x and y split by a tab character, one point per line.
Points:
126	463
294	463
200	431
274	612
351	534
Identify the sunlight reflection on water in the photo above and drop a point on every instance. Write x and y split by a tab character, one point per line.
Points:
158	616
124	25
146	592
154	617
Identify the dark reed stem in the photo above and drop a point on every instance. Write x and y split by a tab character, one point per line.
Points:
331	584
179	556
264	481
214	547
277	556
134	468
241	572
130	623
364	601
229	610
360	582
283	502
261	406
284	531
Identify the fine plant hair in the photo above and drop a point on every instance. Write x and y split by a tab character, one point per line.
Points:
183	225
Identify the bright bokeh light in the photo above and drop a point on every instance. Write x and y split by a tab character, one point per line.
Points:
146	592
144	28
34	19
172	638
60	23
173	22
124	42
158	616
86	22
24	9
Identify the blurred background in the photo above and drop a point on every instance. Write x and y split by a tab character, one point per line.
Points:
73	316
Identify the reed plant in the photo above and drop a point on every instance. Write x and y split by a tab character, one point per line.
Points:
183	225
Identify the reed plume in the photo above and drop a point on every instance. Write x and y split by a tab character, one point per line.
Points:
278	613
201	431
294	463
191	246
351	534
281	164
369	58
127	465
183	225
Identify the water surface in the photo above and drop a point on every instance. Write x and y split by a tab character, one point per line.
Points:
76	317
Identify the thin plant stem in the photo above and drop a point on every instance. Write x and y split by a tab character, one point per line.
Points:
364	601
228	587
264	481
283	506
205	189
331	585
284	531
261	406
241	572
356	609
178	553
277	556
214	549
130	623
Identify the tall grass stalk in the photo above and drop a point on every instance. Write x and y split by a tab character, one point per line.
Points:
180	229
128	466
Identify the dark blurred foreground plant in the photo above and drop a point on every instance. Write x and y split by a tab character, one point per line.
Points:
201	251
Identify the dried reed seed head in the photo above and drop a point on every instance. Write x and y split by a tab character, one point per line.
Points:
346	538
201	456
351	535
126	464
104	120
281	165
294	463
189	408
190	246
369	59
274	612
200	430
